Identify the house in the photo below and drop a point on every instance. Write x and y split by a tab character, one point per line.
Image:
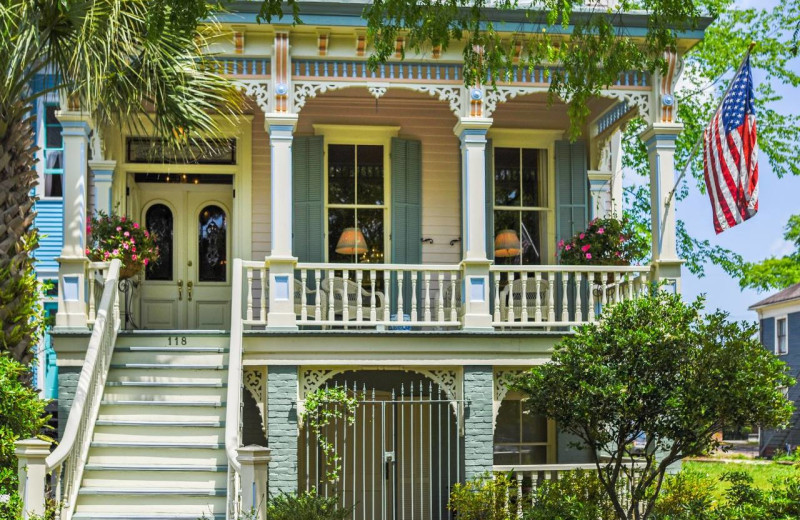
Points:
390	232
779	324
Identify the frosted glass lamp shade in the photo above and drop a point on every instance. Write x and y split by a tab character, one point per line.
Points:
506	243
351	242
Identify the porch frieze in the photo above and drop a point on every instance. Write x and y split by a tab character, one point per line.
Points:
258	90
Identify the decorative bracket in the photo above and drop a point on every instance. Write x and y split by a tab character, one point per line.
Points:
452	94
501	94
310	89
255	380
258	90
502	380
640	99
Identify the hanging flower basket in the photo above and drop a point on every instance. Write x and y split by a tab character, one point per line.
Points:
114	236
607	241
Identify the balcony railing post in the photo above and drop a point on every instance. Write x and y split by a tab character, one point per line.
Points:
31	454
476	291
281	313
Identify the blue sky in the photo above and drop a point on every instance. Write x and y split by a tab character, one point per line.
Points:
759	237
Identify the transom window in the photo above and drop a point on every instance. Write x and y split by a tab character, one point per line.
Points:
520	438
356	203
53	154
520	205
781	337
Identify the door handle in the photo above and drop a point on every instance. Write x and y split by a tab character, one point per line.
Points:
189	289
180	290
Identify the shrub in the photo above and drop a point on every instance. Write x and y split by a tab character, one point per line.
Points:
576	495
305	506
485	497
689	495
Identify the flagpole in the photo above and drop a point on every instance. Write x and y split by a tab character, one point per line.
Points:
700	139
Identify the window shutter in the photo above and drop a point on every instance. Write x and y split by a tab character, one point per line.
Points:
489	200
406	201
572	189
308	183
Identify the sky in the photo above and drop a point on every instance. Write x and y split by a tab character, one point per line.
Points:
755	239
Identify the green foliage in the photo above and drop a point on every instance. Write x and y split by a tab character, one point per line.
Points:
305	506
607	241
656	366
776	273
485	497
322	407
793	456
689	495
114	236
21	416
576	495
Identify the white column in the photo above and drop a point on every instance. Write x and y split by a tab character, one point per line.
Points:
475	265
255	462
281	261
103	176
616	173
72	262
32	472
660	141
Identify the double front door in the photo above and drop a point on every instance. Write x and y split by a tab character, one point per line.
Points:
189	286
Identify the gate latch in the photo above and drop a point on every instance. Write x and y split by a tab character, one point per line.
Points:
388	460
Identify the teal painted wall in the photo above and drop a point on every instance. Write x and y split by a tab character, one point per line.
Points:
478	420
282	427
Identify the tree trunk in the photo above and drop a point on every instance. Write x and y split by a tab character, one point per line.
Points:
19	295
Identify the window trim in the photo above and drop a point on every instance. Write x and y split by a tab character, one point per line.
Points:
45	171
784	318
551	444
360	135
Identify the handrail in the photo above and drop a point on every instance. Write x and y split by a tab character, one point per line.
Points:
86	404
572	268
234	399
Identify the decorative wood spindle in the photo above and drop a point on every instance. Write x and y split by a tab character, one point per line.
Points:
537	313
249	294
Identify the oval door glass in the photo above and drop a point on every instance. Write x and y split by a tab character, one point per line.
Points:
159	223
212	244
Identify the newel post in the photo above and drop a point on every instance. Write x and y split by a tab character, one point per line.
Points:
31	454
255	462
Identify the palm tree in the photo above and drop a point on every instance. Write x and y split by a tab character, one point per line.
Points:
120	61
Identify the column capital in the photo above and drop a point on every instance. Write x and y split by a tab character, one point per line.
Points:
32	449
74	123
253	454
472	126
280	125
100	166
658	134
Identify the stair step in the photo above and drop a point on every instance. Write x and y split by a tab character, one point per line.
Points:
170	350
213	492
155	467
166	366
155	384
159	445
145	516
150	402
193	424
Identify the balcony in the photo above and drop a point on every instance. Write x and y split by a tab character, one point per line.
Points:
400	297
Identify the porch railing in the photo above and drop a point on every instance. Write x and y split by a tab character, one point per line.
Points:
406	297
67	461
233	419
96	276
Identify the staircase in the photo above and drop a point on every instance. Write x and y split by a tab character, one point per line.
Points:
158	450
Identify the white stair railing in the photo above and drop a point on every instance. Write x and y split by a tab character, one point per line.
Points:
234	399
67	461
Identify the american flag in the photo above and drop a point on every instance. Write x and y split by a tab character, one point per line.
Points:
731	154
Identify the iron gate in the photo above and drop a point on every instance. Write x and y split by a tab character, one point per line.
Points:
395	458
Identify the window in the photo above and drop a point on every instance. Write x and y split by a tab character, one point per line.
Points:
520	438
356	203
781	337
520	205
53	154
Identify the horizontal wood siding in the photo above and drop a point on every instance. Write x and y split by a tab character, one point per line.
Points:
419	117
49	221
260	192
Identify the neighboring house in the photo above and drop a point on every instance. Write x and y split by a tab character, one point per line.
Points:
779	320
391	232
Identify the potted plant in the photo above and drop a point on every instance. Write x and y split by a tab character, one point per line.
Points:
117	236
607	241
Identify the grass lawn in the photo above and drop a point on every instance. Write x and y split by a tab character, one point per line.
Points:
761	473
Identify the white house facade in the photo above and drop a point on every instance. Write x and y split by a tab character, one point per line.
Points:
391	232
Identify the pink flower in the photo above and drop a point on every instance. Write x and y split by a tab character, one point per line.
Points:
119	228
123	219
589	255
126	234
88	228
134	257
105	255
582	235
586	247
146	261
560	244
618	253
133	248
135	225
126	246
115	252
601	231
133	241
568	247
146	233
87	251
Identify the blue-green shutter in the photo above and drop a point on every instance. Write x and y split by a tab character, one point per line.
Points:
572	189
308	183
489	200
406	201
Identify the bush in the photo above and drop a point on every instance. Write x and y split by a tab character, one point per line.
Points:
576	495
485	497
21	416
689	495
305	506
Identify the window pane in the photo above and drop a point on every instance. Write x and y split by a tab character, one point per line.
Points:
534	428
53	185
341	174
506	177
370	174
531	237
53	137
506	455
507	429
50	115
212	244
159	222
531	182
338	220
533	455
54	159
370	222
